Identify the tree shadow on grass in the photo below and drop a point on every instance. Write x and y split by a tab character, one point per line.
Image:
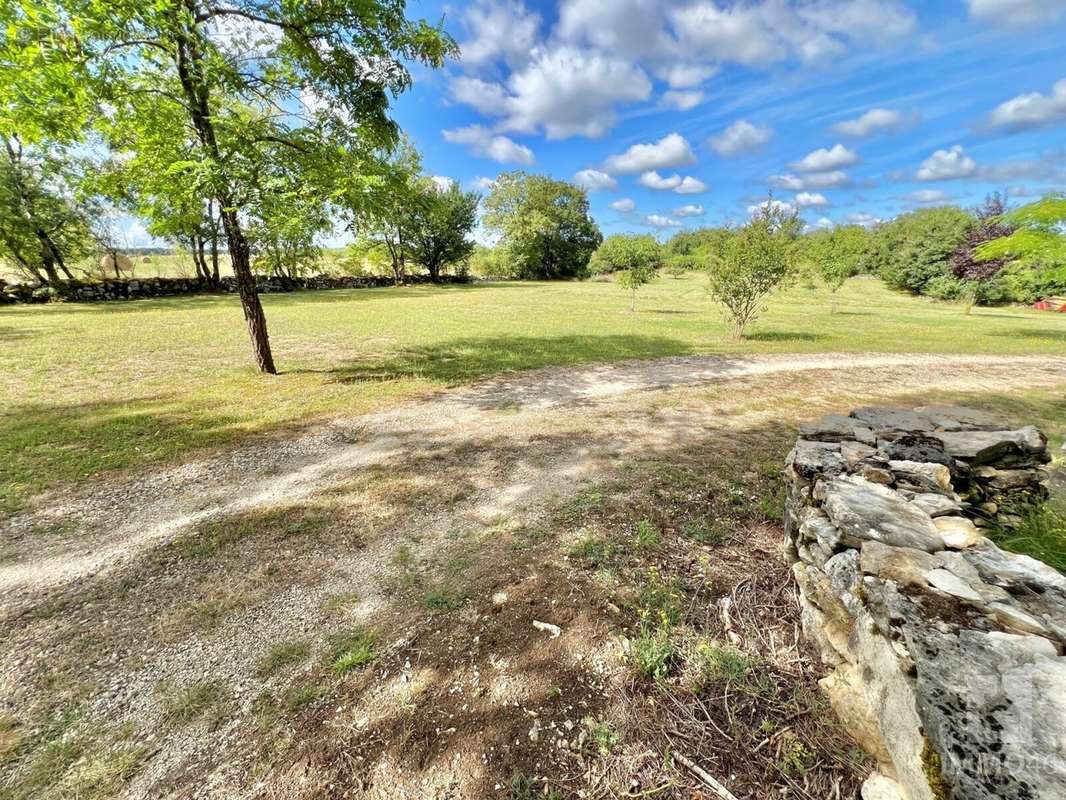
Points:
784	336
43	445
462	360
1036	333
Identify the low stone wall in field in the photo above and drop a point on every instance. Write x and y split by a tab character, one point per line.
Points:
142	289
946	651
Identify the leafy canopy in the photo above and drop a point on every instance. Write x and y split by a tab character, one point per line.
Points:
752	263
544	225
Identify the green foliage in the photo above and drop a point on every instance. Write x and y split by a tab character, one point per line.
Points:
647	536
752	263
916	248
1036	250
635	258
544	225
440	223
43	229
626	251
653	654
604	736
283	654
716	663
835	255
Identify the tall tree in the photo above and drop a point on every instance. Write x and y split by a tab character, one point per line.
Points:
544	225
441	223
246	78
1035	252
378	211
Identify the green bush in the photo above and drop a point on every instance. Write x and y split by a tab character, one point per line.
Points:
625	251
914	249
944	287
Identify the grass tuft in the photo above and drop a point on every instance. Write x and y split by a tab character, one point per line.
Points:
352	649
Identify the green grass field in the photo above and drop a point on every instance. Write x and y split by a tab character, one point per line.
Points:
93	387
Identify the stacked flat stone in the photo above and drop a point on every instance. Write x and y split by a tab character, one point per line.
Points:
946	651
146	288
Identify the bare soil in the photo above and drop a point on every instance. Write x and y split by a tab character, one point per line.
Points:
176	633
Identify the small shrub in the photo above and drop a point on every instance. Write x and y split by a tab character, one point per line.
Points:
703	530
654	655
660	600
714	663
647	536
603	736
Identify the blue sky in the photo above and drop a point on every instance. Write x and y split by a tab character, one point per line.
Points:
687	113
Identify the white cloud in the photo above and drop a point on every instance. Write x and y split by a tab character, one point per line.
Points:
876	120
499	29
659	221
625	205
741	137
442	182
593	180
810	200
683	76
690	185
1033	110
1017	12
673	150
566	91
944	165
817	180
482	142
488	98
683	101
483	183
864	219
674	183
692	210
631	29
826	160
653	180
763	33
927	196
779	205
824	223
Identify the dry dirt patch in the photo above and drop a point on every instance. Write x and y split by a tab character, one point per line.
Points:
159	674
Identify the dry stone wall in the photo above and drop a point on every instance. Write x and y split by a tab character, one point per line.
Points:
946	651
142	289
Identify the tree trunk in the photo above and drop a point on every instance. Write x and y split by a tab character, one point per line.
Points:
247	291
190	73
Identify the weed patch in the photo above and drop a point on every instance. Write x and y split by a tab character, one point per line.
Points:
352	649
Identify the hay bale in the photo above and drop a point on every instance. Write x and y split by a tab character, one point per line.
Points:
108	263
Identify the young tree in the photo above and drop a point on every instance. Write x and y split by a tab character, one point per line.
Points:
232	74
752	263
965	265
839	254
544	225
440	223
635	258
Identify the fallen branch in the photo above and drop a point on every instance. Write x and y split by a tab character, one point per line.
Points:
704	776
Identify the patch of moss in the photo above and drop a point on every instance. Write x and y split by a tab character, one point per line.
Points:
931	765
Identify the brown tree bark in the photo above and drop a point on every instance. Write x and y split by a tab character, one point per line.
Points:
190	73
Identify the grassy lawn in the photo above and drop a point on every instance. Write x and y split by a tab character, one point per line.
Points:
92	387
